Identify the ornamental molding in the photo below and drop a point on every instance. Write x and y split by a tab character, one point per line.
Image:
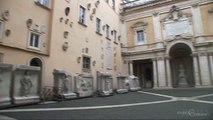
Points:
175	14
139	24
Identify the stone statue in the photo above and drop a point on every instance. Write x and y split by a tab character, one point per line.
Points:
107	85
65	83
26	84
85	85
182	75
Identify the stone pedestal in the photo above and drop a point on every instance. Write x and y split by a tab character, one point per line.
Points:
63	85
123	84
84	85
26	85
104	84
5	82
133	83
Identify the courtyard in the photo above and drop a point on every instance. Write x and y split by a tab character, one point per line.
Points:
182	103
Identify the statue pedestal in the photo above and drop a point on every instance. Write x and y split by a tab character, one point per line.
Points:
84	85
134	83
104	84
63	84
26	85
5	82
123	84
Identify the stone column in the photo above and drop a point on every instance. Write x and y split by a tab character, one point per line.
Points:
157	30
161	70
130	68
211	66
196	71
168	73
197	22
204	69
154	64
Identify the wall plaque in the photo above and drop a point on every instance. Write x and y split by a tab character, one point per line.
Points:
177	28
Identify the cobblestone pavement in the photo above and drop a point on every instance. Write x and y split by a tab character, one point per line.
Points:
147	104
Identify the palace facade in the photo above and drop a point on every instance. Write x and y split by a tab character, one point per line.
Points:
168	43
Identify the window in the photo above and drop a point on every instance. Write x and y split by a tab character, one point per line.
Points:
98	25
113	4
1	30
43	2
82	15
86	63
34	40
115	36
140	36
107	31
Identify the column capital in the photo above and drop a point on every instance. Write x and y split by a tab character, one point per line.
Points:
195	5
202	54
194	54
155	14
160	58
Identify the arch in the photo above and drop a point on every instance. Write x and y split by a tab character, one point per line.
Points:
189	44
36	61
181	65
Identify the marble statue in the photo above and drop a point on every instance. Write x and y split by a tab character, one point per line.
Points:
26	84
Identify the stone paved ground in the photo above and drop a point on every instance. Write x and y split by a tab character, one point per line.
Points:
146	104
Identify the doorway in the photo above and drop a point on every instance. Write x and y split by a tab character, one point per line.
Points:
144	71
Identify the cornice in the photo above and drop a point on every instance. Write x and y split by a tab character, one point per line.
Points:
165	9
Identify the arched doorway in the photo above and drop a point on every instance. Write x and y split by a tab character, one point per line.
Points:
37	62
181	66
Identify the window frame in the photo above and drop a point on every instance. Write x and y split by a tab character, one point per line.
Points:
98	25
113	4
82	12
140	36
44	3
107	31
88	66
1	30
115	36
142	28
39	41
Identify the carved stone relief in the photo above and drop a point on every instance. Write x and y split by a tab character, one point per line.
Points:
177	24
26	84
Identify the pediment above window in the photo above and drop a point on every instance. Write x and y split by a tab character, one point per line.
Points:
139	24
175	14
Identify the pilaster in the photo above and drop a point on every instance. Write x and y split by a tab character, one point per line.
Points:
197	22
